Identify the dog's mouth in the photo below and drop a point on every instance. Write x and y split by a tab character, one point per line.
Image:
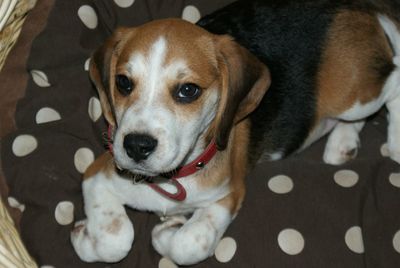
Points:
142	173
139	175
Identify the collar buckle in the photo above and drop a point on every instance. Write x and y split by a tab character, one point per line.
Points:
200	165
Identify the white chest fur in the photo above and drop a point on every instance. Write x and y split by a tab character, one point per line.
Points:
141	196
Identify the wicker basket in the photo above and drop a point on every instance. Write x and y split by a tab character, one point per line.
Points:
12	16
12	251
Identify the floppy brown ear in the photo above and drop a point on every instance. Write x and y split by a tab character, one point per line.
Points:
244	82
102	72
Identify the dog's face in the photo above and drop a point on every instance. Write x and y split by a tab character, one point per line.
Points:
168	88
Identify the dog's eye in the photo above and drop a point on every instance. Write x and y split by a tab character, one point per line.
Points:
187	93
124	84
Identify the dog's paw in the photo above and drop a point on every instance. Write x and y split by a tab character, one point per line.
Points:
337	155
341	146
185	244
163	233
97	242
83	244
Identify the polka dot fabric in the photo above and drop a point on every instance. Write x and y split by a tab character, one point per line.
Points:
298	212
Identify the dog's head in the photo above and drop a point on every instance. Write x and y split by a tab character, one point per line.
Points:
169	87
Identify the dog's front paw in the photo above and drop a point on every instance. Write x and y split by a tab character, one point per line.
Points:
162	233
108	243
83	244
185	244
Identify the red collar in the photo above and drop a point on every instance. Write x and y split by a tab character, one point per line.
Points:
187	170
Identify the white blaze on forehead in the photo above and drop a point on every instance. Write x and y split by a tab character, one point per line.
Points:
149	68
152	71
156	59
153	76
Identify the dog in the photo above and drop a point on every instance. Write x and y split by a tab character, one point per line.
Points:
191	108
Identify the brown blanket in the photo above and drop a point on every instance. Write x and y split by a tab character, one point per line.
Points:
13	79
298	212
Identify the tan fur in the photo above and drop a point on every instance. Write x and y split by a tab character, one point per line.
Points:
103	61
356	48
235	58
103	163
232	164
114	227
105	105
237	167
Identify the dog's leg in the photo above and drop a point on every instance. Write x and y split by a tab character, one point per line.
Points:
343	142
107	233
191	241
393	107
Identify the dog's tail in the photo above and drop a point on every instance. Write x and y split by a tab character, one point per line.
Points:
393	33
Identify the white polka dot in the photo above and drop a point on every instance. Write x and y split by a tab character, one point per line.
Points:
88	16
385	150
280	184
396	241
40	78
354	240
64	212
124	3
24	145
291	241
87	64
14	203
47	266
166	263
191	14
346	178
225	250
82	159
394	179
94	109
46	115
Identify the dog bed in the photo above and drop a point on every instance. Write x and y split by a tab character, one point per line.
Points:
298	212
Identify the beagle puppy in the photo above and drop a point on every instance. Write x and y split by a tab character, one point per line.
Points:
192	107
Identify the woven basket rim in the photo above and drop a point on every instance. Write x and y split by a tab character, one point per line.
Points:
12	250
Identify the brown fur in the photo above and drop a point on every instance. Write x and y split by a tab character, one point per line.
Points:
104	97
238	168
102	71
103	163
356	50
232	164
244	83
114	227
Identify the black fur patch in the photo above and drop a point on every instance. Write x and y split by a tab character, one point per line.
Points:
288	36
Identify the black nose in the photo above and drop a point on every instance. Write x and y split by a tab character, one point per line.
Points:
139	146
